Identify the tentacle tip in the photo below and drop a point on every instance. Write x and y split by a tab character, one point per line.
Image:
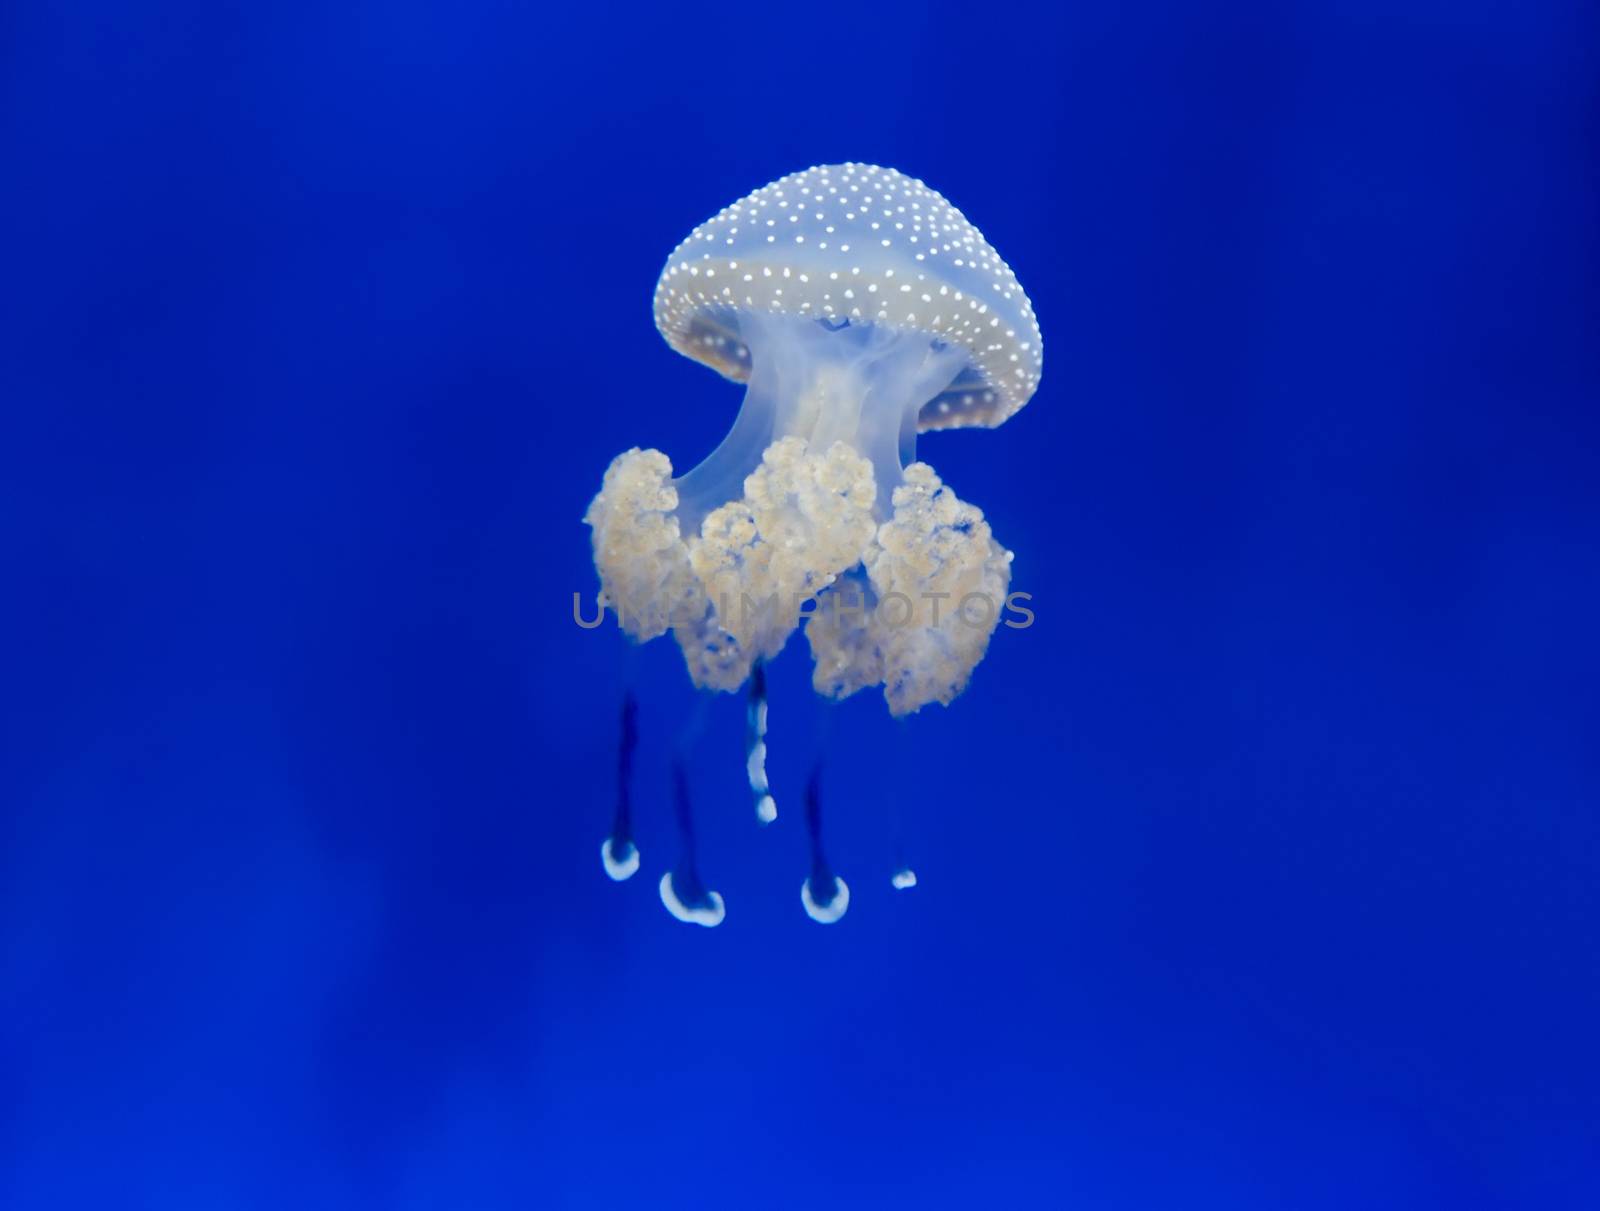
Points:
826	911
903	878
706	909
620	858
766	809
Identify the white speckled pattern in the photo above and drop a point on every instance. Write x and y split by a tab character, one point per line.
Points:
865	245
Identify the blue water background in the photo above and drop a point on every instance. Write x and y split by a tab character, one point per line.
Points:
1263	871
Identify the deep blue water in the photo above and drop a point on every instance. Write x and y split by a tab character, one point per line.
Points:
1263	871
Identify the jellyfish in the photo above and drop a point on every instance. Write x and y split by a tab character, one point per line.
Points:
859	308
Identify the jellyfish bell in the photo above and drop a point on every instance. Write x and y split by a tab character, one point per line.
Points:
859	308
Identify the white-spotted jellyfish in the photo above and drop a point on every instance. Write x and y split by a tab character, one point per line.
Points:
859	308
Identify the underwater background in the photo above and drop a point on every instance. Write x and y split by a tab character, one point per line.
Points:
1263	870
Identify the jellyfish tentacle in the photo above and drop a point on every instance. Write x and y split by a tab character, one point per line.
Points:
756	746
686	897
825	895
618	853
903	876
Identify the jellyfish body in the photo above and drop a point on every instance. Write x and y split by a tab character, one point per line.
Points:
859	308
